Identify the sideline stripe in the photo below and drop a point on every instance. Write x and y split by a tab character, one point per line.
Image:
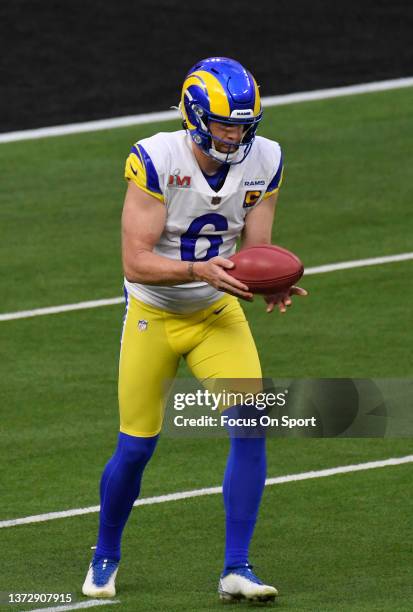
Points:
337	92
358	263
83	604
267	101
160	499
25	314
344	265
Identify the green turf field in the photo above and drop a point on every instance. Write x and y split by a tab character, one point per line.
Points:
339	543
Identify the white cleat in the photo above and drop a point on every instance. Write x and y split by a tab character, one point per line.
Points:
242	583
100	578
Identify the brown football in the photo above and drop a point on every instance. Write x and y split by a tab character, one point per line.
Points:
266	268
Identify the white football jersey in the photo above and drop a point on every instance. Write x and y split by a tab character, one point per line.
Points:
201	223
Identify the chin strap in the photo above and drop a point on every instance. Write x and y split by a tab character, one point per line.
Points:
222	157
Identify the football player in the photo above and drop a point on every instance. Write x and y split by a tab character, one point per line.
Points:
190	195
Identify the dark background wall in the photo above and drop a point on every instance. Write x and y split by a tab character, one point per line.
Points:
64	61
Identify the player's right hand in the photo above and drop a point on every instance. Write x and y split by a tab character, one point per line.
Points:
213	273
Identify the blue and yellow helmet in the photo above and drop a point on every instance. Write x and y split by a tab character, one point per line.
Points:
220	89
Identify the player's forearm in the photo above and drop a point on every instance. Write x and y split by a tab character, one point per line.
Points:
258	224
256	232
255	240
151	269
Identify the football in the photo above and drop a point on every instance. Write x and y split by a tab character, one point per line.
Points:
266	268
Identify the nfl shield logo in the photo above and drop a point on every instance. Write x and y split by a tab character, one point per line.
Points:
142	325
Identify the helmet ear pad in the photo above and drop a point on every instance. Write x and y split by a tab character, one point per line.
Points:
198	118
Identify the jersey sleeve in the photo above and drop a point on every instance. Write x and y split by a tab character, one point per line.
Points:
276	181
140	169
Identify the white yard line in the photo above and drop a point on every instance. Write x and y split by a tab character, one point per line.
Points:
358	263
37	312
117	122
160	499
78	606
343	265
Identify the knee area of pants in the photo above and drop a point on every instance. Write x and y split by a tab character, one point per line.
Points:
136	451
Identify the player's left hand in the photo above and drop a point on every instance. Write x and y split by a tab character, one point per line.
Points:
283	300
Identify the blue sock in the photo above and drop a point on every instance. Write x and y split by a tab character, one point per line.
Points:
119	488
244	483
